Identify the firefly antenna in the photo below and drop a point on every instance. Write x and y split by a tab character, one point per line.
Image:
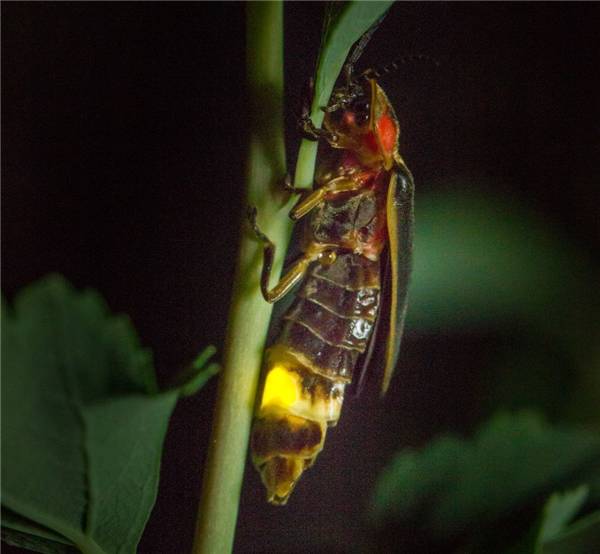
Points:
376	73
351	90
361	44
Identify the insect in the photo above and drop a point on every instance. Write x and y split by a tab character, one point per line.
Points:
353	275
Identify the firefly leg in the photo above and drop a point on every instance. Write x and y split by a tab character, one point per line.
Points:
313	198
339	184
295	273
312	132
289	186
306	125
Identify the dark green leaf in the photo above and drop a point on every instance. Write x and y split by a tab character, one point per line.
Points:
82	422
19	531
124	445
34	543
454	484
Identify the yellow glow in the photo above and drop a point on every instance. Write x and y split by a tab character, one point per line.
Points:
282	387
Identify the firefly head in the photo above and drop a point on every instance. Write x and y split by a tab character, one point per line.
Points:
364	123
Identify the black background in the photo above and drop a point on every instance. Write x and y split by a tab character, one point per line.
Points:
123	151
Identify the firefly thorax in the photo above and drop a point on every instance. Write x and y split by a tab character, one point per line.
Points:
364	123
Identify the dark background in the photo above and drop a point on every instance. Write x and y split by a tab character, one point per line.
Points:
123	152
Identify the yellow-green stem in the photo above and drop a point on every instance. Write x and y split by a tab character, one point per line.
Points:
249	314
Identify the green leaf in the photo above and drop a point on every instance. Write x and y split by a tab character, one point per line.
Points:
453	484
82	421
124	445
345	23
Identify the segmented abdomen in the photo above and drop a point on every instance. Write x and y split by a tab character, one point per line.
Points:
324	333
330	324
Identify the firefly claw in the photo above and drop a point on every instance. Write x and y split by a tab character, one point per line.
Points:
251	214
287	183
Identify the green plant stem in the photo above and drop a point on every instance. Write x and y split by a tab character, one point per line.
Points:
249	314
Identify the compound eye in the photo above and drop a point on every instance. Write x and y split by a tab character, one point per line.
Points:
362	110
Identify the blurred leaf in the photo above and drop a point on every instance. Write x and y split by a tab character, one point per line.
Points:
529	370
454	485
82	421
554	517
485	259
559	510
581	537
488	261
554	533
